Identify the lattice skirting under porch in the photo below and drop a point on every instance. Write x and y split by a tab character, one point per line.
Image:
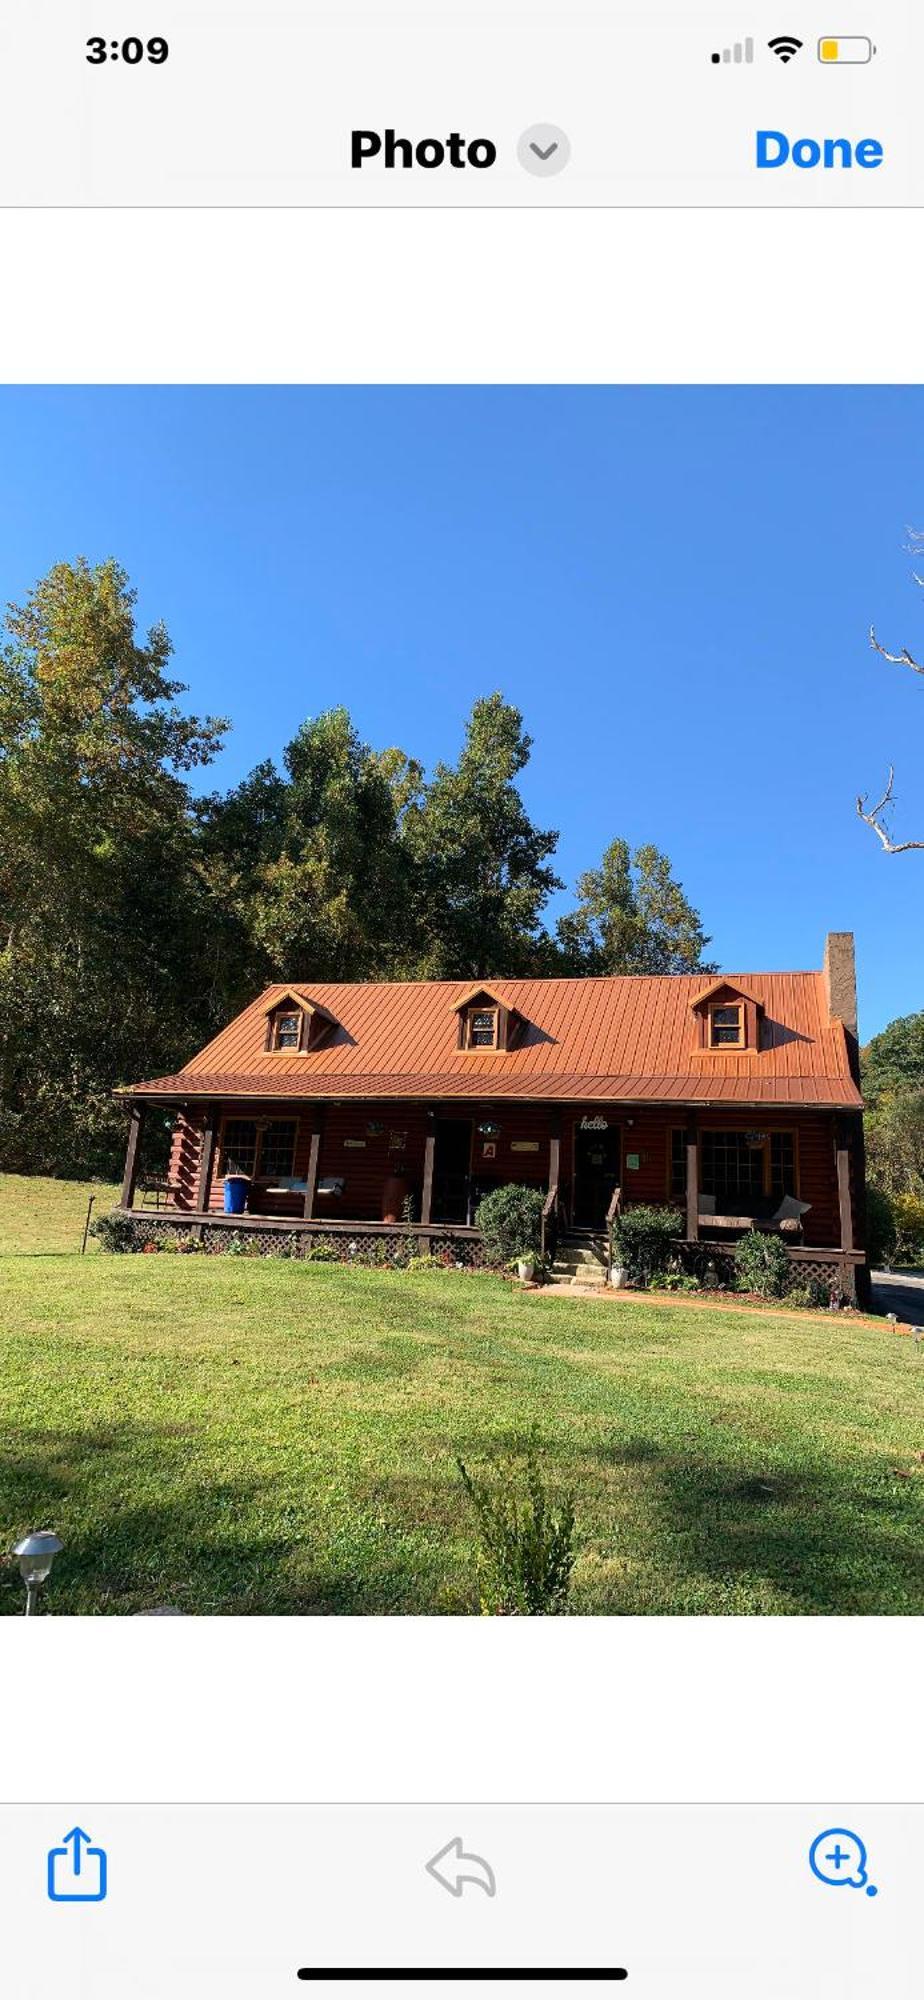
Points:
271	1237
837	1272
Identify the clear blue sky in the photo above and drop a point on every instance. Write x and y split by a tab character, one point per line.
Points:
674	585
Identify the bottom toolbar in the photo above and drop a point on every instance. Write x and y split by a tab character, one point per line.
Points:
714	1902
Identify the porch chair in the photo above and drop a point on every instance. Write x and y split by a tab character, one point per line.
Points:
788	1217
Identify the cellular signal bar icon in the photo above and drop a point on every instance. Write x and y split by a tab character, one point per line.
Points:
739	52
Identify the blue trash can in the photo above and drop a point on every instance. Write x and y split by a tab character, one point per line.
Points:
236	1187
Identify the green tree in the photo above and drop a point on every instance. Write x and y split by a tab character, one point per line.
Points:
106	952
480	868
895	1142
632	916
894	1060
892	1076
313	863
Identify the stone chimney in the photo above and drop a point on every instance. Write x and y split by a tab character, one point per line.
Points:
840	973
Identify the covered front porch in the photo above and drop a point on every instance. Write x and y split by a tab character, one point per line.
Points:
351	1170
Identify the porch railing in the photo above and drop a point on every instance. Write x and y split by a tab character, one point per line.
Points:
612	1215
548	1234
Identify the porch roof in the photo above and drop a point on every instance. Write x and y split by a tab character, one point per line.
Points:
764	1092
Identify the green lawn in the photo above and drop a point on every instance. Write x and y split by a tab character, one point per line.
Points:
227	1435
38	1216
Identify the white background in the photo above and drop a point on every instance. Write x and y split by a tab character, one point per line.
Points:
488	1709
354	1709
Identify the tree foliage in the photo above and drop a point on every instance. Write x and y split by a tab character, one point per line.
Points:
894	1060
104	947
632	916
481	868
138	913
892	1075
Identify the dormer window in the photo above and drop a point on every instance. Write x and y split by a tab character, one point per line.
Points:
287	1031
485	1022
295	1025
726	1026
726	1018
482	1028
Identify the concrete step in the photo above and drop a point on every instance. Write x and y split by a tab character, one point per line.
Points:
580	1256
586	1281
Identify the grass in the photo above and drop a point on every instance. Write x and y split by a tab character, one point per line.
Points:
38	1216
259	1436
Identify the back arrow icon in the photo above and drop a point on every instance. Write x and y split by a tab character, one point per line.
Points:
452	1868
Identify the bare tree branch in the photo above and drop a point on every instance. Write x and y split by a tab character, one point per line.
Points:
873	818
876	817
902	659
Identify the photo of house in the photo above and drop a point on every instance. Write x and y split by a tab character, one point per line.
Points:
461	1025
345	1110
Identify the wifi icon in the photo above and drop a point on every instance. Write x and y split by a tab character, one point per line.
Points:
785	46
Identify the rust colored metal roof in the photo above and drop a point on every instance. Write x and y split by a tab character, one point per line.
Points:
626	1039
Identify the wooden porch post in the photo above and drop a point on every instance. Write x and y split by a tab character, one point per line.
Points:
314	1154
843	1184
554	1149
130	1176
692	1178
206	1159
845	1206
861	1272
426	1204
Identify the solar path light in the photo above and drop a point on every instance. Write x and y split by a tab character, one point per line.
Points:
36	1554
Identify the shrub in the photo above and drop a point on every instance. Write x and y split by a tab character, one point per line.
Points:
510	1220
678	1281
881	1230
319	1251
810	1292
526	1547
115	1232
645	1239
908	1210
894	1227
761	1264
242	1246
188	1245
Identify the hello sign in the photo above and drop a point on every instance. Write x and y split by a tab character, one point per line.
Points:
594	1125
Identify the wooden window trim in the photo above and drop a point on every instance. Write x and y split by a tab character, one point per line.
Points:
773	1131
272	1021
725	1007
263	1125
260	1123
235	1118
669	1163
481	1048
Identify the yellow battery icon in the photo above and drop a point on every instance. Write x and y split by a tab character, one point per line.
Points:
845	49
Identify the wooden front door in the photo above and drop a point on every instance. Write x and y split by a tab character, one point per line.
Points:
452	1159
597	1162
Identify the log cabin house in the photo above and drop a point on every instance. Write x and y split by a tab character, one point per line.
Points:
359	1111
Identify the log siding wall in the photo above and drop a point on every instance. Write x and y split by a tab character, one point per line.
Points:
646	1133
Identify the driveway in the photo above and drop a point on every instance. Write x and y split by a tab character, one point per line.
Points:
900	1292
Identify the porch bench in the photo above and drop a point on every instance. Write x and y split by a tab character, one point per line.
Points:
158	1193
785	1221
